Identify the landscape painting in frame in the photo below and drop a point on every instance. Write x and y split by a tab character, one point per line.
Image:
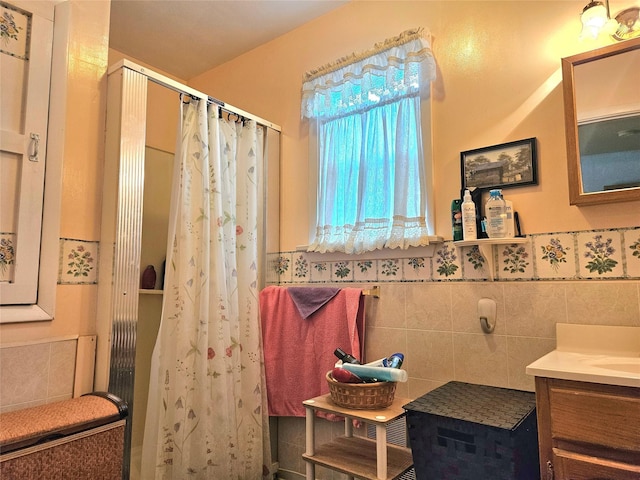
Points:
511	164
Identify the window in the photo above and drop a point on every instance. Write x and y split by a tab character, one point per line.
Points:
372	187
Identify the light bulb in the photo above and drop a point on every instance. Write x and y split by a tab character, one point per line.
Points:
611	26
594	18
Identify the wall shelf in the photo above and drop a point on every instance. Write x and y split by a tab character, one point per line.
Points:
149	291
485	245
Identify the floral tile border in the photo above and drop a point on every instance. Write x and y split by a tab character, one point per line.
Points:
515	262
301	268
631	241
78	262
555	256
584	255
7	256
474	265
272	277
365	270
446	263
600	254
416	268
320	271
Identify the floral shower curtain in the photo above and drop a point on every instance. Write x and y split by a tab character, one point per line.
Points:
206	413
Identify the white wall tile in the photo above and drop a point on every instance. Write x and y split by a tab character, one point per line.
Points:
555	256
600	254
515	262
632	252
78	262
474	265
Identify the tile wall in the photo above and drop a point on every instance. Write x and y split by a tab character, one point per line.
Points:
36	373
593	254
42	372
78	260
428	309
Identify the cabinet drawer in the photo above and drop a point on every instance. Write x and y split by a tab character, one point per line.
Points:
597	416
581	467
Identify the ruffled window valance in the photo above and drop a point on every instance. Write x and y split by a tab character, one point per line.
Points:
398	67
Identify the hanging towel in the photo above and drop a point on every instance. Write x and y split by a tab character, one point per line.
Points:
309	300
298	352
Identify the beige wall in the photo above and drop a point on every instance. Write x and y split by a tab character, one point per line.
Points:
85	91
37	359
498	81
498	74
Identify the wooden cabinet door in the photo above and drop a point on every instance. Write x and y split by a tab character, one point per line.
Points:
570	466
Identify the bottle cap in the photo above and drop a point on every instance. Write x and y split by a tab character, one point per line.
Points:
394	361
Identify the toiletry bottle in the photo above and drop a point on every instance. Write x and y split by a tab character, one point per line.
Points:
393	361
496	215
510	219
456	219
345	357
148	281
469	217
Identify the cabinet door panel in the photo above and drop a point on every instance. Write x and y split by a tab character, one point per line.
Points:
597	418
25	69
571	466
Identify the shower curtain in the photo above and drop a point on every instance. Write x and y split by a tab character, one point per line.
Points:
206	415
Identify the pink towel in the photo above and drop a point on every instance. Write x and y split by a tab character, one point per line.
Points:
298	353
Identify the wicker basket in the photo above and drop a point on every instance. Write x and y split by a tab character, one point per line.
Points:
361	396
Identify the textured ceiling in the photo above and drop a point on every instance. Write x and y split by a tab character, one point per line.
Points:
188	37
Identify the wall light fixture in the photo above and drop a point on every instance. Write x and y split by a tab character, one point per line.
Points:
596	18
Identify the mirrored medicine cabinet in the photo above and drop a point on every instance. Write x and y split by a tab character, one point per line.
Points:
602	123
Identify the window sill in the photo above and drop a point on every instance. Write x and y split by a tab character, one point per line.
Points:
385	253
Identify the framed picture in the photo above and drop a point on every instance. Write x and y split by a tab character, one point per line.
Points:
506	165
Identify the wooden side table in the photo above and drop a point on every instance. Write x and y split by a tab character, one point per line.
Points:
356	456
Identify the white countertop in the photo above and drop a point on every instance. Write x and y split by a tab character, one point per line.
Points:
586	367
593	353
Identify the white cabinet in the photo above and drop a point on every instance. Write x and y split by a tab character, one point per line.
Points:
25	71
358	457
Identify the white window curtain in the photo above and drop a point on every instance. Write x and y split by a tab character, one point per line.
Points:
366	108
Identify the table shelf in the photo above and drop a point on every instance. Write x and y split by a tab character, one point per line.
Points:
355	456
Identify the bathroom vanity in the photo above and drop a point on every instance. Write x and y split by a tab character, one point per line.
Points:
588	404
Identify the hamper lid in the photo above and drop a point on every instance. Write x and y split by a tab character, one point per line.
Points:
493	406
30	426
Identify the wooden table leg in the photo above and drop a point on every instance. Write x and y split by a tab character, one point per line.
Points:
381	450
310	442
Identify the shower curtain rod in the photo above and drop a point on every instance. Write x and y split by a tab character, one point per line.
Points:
181	88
